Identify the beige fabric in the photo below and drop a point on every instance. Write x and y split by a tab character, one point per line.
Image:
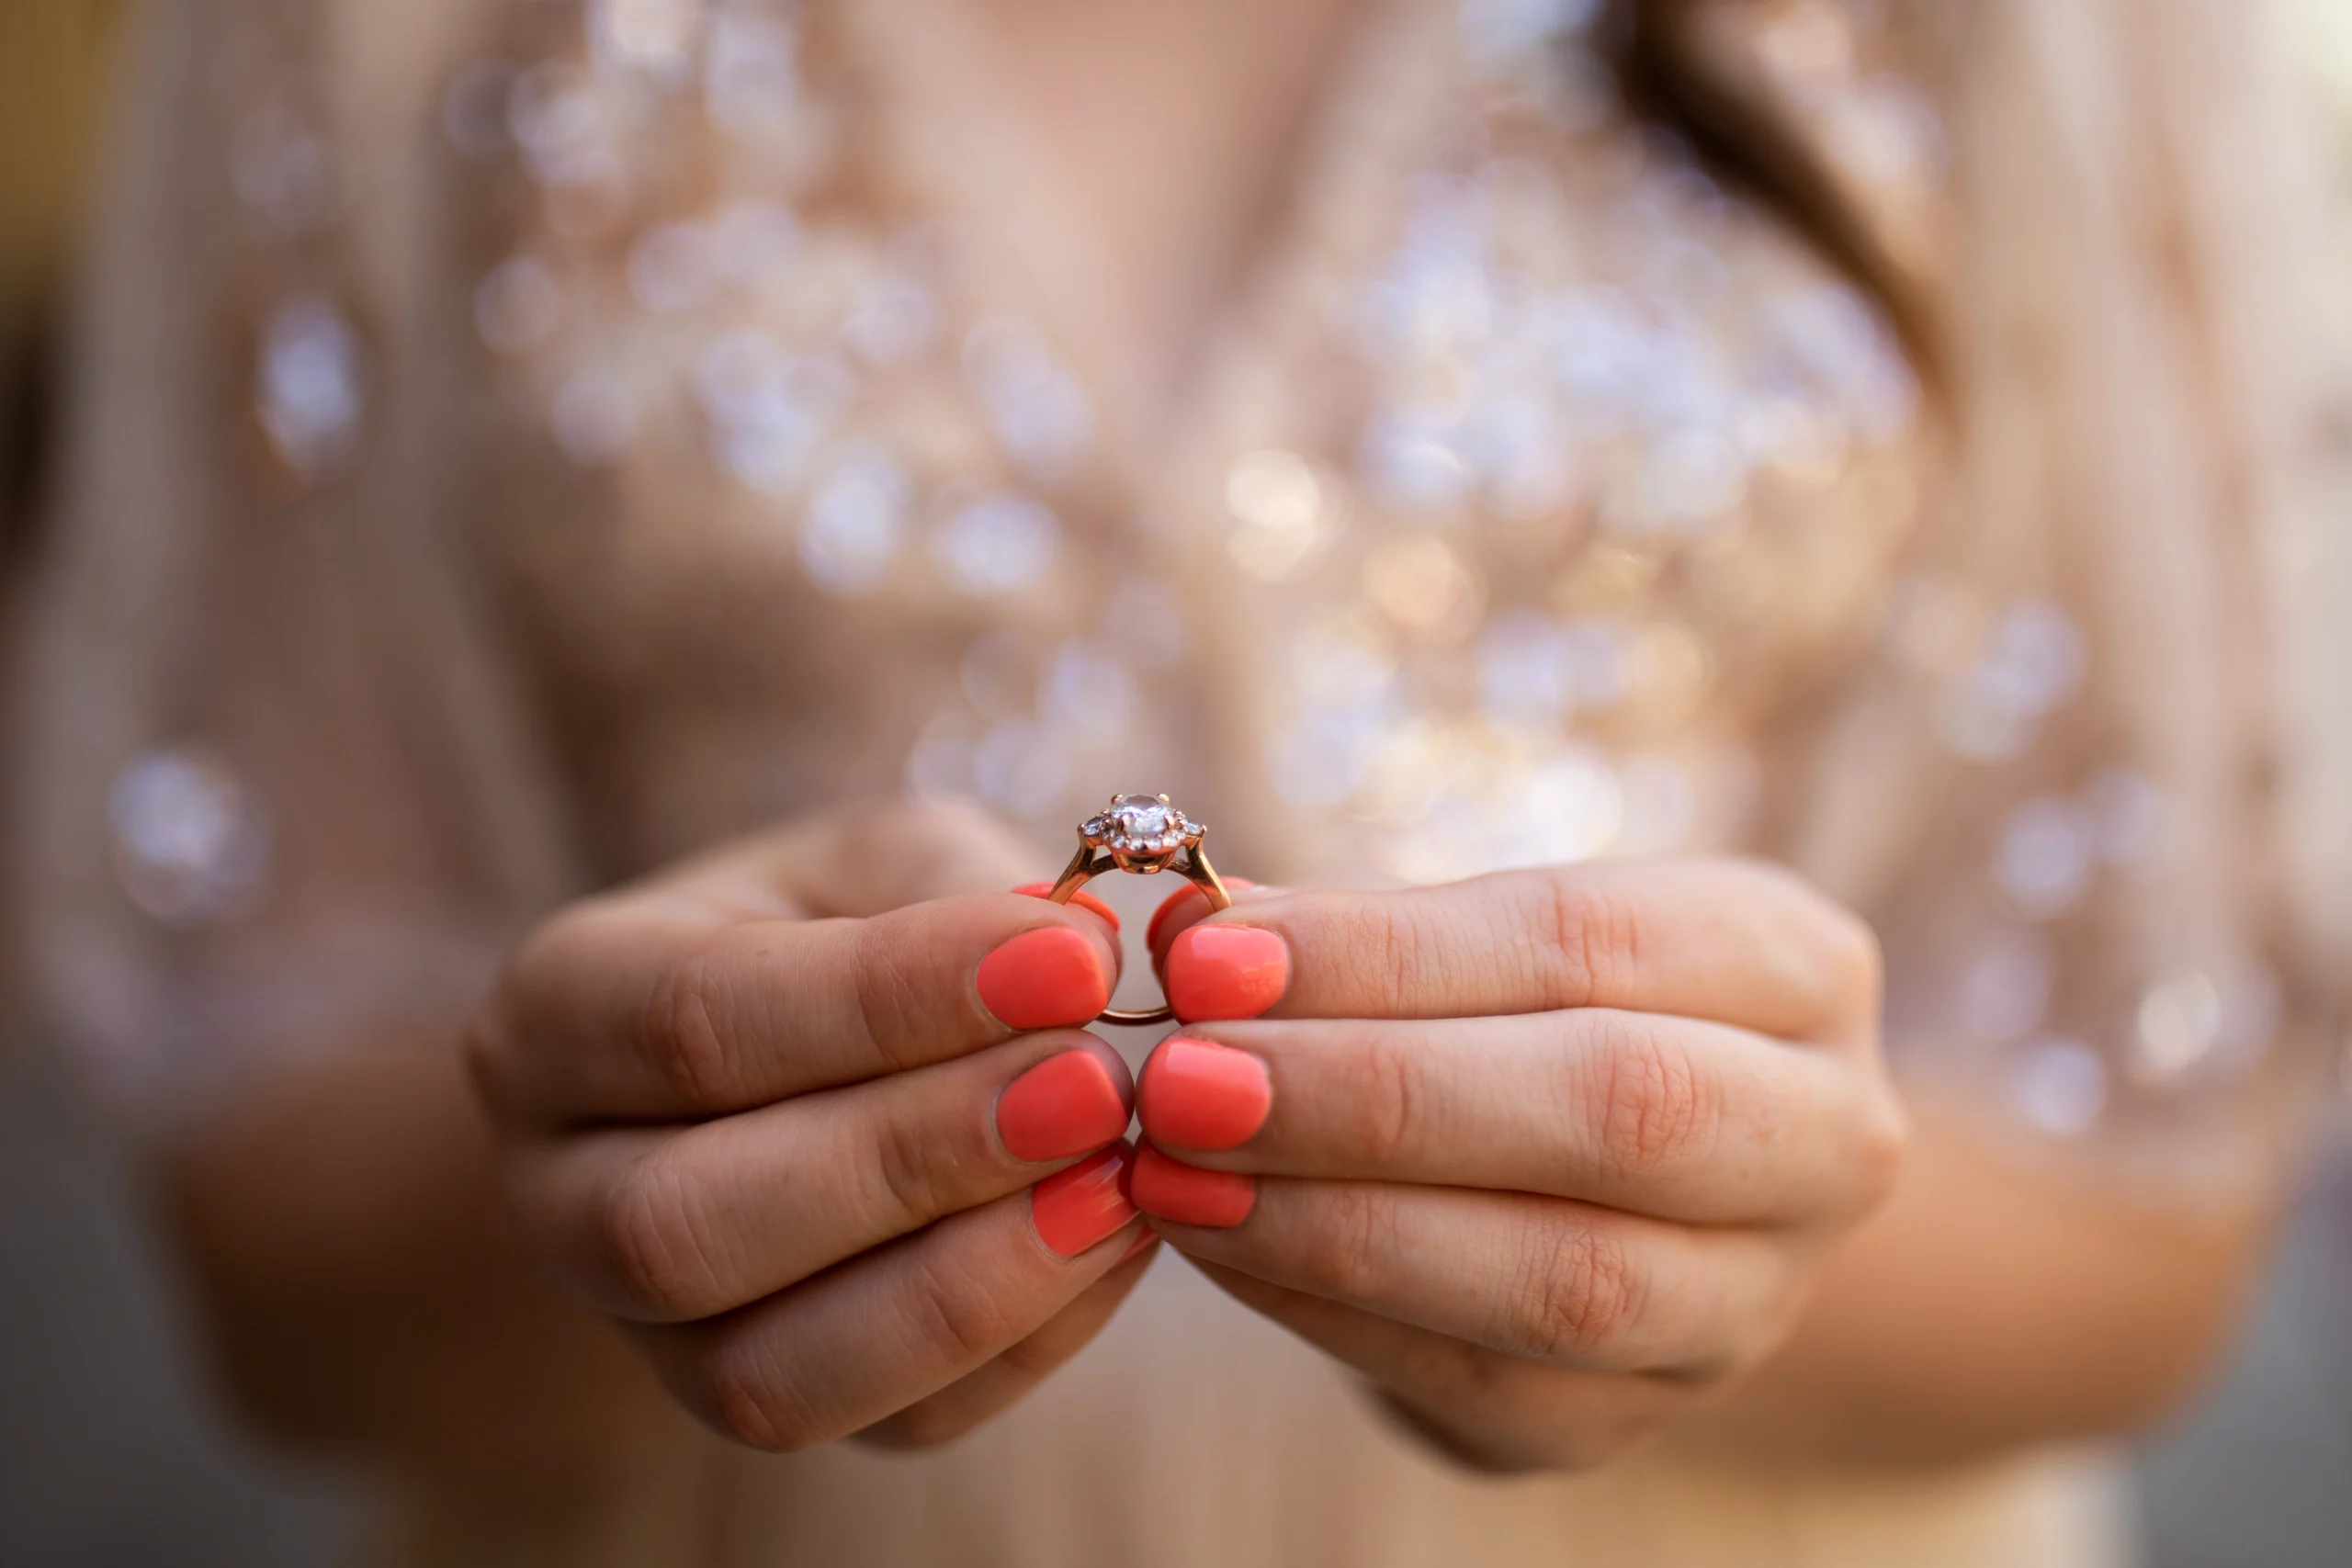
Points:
365	642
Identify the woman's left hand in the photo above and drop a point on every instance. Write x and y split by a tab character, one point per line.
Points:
1550	1156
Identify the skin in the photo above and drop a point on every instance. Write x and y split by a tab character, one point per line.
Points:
1723	1275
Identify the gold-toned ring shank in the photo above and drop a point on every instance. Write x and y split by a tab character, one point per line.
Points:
1084	868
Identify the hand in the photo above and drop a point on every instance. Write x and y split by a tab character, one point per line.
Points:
1549	1156
828	1140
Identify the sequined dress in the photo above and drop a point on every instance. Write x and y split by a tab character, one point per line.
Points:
522	445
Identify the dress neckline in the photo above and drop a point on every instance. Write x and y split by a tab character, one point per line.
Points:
958	153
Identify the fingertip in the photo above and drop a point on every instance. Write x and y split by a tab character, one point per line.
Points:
1167	1189
1182	909
1079	899
1226	972
1045	978
1199	1095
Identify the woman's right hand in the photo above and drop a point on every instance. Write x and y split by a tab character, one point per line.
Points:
814	1117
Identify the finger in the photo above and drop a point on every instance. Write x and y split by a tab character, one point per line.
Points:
1541	1279
998	1384
1671	1117
1490	1410
1735	942
667	1225
1188	906
631	1008
861	1342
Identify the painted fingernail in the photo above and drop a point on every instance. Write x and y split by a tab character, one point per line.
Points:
1218	1199
1195	1095
1184	901
1075	1209
1065	1105
1047	977
1083	899
1226	972
1143	1243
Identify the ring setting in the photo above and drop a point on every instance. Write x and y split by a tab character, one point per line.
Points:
1140	834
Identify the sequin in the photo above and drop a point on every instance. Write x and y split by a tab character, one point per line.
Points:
278	164
2004	993
752	241
2059	1087
999	546
1426	588
2177	1023
310	391
562	128
1087	693
192	844
474	108
1038	409
672	267
856	523
657	37
751	72
1526	670
2044	861
1020	768
1285	513
2032	662
895	321
1501	32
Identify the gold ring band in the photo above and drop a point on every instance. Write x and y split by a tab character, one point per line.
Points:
1141	834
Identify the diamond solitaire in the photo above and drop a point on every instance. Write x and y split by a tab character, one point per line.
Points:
1139	828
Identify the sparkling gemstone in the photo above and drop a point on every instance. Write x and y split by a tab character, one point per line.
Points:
1141	825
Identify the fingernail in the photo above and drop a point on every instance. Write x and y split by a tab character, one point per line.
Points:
1047	977
1143	1243
1183	899
1226	972
1083	899
1065	1105
1189	1195
1075	1209
1195	1095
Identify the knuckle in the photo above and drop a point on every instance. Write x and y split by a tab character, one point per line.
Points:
956	1317
1596	936
654	1238
1392	1096
1584	1296
680	1037
1342	1256
888	994
749	1404
1659	1110
904	1173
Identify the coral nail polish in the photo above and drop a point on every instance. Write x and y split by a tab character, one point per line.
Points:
1065	1105
1047	977
1218	1199
1143	1243
1080	899
1075	1209
1226	972
1195	1095
1188	901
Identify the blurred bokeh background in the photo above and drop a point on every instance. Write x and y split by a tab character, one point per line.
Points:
111	1452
